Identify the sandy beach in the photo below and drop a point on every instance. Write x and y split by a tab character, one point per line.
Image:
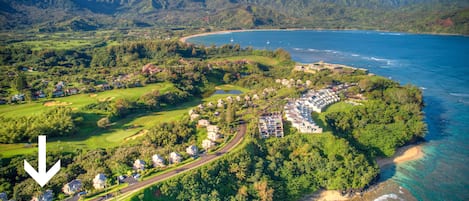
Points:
184	39
403	154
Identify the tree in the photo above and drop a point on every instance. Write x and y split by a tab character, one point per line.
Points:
230	114
20	82
104	122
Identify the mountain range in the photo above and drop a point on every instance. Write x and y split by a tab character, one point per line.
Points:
436	16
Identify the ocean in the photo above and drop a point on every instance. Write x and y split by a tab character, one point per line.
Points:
438	64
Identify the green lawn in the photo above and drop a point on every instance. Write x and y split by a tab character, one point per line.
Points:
92	137
267	61
320	118
55	44
80	100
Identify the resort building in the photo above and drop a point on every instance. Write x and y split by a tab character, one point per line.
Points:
271	125
72	187
213	128
99	181
192	150
158	161
174	158
207	144
298	112
139	165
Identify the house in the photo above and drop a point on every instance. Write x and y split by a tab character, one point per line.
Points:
270	125
220	105
46	196
158	161
194	116
3	197
200	106
99	181
174	158
207	144
151	69
214	136
72	91
212	128
210	105
57	93
72	187
238	98
59	86
229	99
192	150
308	83
17	97
247	98
203	123
40	94
191	111
139	165
255	97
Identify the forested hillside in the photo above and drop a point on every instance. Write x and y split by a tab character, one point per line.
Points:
78	15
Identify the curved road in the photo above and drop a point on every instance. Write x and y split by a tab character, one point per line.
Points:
203	159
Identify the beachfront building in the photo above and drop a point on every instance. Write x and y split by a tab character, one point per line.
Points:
99	181
72	187
207	144
271	125
318	100
158	161
192	150
174	158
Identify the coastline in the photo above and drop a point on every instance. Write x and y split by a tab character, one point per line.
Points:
402	155
185	38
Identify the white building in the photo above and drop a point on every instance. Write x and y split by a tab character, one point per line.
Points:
214	136
194	116
72	187
192	150
207	144
203	122
158	161
99	181
174	158
270	125
139	165
213	128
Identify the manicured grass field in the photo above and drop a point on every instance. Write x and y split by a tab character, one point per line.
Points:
320	118
80	100
92	137
56	44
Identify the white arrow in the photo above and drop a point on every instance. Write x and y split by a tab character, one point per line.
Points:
42	176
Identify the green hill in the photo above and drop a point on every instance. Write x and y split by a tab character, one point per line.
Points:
82	15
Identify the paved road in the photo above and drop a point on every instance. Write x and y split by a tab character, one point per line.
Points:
202	160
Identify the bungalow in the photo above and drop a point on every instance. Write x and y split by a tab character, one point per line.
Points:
200	106
72	91
210	105
139	165
158	161
174	158
17	97
308	83
207	144
214	136
72	187
238	98
192	150
57	93
46	196
220	105
59	86
99	181
212	128
229	99
255	97
247	98
194	116
40	94
203	123
191	111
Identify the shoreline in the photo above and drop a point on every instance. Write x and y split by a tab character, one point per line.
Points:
185	38
403	154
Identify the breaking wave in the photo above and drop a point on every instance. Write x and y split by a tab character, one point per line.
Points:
388	196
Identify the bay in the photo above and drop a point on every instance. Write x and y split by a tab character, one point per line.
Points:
438	64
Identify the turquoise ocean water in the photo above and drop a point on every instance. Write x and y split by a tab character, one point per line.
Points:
438	64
